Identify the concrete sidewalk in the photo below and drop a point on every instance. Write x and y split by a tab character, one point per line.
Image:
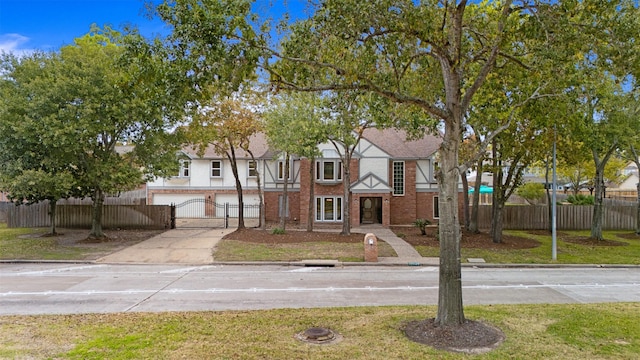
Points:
179	246
407	254
195	247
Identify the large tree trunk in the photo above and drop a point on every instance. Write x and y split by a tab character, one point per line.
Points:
598	209
96	217
450	308
498	200
473	223
285	195
497	220
52	215
346	186
234	169
312	182
262	221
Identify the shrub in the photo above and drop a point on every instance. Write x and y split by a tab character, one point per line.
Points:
422	225
278	231
580	199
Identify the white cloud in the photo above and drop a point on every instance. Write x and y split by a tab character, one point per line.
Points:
12	43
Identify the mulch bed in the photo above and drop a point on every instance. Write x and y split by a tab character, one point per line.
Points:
472	337
480	240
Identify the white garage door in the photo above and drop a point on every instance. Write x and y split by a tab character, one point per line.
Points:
232	200
187	205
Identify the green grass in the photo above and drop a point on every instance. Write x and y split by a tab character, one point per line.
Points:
232	250
574	331
567	253
16	245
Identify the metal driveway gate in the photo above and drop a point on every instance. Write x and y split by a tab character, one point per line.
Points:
207	213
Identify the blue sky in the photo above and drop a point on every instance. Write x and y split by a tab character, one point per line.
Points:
27	25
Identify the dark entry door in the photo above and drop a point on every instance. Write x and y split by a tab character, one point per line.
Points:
370	210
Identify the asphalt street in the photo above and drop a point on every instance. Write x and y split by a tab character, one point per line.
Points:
102	288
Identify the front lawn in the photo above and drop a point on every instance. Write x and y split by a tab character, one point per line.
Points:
549	331
573	247
69	244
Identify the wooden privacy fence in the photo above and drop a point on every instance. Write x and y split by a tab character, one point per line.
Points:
79	216
569	217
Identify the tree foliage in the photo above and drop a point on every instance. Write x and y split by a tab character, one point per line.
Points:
294	126
226	125
78	106
532	192
428	59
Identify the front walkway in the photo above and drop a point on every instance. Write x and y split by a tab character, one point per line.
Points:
407	254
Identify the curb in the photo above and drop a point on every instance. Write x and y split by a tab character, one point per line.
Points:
339	264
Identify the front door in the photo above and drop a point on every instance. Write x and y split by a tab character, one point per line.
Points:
370	210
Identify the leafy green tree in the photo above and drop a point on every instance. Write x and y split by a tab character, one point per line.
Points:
431	56
349	115
84	101
29	171
32	186
532	192
294	126
226	125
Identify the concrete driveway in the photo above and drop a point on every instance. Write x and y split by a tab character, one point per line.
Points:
177	246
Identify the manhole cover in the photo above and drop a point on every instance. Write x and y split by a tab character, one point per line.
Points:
318	335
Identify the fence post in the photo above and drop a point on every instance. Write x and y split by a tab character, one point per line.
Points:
173	215
226	215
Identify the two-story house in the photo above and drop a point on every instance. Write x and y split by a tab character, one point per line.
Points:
392	181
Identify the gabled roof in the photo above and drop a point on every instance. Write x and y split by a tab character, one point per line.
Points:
370	183
392	141
395	143
257	144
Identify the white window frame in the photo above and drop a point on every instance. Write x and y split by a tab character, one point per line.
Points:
337	170
396	182
219	169
280	170
321	212
185	169
251	169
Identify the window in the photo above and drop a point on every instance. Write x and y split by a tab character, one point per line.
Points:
253	172
216	168
328	170
398	178
281	170
436	207
185	168
329	208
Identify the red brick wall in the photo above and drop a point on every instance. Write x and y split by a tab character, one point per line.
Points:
271	203
403	208
320	188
